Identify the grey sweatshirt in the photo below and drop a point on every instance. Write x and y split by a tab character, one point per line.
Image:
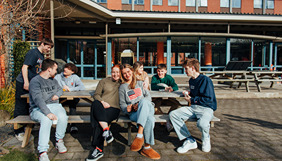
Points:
73	82
41	92
131	96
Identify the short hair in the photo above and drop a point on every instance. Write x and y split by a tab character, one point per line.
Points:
48	63
162	66
192	62
71	67
47	41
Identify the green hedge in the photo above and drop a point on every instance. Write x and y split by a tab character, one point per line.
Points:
20	48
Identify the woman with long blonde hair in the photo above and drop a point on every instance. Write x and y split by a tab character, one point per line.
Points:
140	74
136	103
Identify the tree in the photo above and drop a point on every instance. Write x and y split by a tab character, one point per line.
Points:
18	15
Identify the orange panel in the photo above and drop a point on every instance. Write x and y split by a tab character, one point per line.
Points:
208	54
160	52
277	7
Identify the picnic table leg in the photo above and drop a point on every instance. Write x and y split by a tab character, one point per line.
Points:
129	133
212	124
257	82
27	135
272	83
247	86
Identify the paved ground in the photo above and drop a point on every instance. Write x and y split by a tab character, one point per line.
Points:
250	129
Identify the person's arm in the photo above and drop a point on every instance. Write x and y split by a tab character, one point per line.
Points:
122	100
205	95
99	89
25	77
154	83
78	84
146	81
59	89
36	94
173	84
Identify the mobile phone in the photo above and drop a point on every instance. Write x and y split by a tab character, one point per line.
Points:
130	93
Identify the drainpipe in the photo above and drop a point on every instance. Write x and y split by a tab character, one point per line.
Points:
197	6
230	6
132	5
263	7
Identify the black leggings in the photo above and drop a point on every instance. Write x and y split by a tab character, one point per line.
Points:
99	113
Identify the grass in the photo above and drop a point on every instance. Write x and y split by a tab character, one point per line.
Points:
17	155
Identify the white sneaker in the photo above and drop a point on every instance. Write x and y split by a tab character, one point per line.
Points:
189	143
60	146
44	157
20	136
206	145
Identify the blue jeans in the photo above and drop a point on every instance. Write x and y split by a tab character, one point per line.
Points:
180	115
144	116
46	123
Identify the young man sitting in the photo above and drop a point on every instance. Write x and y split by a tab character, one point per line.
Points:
203	104
162	77
46	109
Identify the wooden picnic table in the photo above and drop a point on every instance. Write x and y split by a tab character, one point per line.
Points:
230	76
266	76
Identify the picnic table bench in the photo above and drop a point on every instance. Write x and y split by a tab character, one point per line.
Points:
25	119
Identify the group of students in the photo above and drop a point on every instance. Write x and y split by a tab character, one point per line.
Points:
126	91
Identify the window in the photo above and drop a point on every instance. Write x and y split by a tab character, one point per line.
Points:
173	2
201	3
190	3
235	3
270	4
101	1
157	2
130	1
224	3
257	3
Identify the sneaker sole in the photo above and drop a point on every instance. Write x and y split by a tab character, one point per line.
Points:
61	152
95	159
111	140
195	147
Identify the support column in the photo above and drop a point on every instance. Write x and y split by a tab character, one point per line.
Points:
227	50
208	55
199	50
160	52
270	55
168	55
252	55
137	52
52	29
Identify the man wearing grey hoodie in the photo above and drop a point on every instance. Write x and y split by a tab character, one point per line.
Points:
46	109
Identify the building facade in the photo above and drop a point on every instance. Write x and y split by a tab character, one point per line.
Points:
100	33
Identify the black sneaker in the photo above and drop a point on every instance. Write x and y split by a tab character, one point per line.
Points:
73	130
108	136
96	155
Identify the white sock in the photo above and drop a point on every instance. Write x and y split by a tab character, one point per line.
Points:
147	147
139	135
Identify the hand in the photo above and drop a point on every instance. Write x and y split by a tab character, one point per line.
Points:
129	108
66	88
26	86
135	107
169	89
52	116
105	104
145	85
187	98
55	97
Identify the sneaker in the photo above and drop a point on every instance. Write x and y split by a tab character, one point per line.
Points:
189	143
20	136
206	145
43	157
60	146
108	136
73	129
169	126
96	155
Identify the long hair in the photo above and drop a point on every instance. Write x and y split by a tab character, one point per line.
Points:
133	82
136	66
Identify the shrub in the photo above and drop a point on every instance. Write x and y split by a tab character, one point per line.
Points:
20	49
17	155
7	97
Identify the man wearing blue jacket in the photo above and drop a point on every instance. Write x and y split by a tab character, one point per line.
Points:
203	104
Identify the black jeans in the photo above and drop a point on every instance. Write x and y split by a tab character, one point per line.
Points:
99	113
72	105
21	105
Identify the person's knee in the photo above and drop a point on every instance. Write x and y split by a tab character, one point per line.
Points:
172	115
202	124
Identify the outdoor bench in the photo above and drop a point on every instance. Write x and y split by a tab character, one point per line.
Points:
25	119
